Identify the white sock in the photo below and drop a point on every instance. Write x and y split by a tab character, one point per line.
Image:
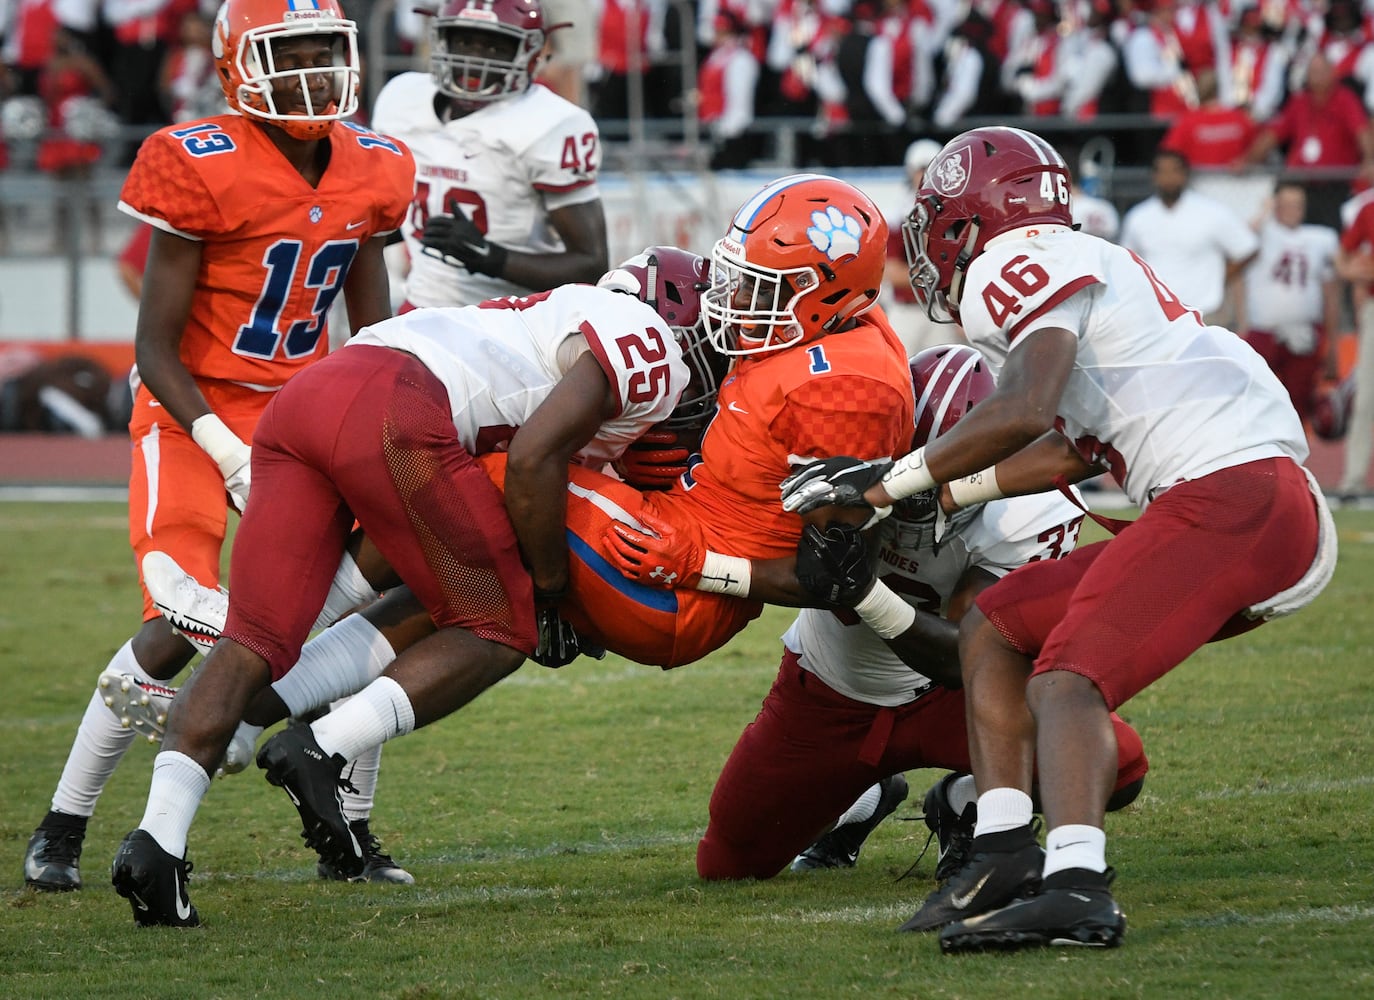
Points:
339	661
98	747
1075	845
863	808
348	590
361	773
374	715
961	793
178	785
1002	809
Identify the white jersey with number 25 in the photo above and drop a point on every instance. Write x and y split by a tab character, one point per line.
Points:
501	359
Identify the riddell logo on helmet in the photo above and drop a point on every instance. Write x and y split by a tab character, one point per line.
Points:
731	247
949	175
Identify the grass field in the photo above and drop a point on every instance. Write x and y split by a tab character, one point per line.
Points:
552	829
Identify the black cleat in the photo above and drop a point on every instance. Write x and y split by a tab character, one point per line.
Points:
839	848
1074	907
1004	866
295	763
377	867
52	860
953	831
153	882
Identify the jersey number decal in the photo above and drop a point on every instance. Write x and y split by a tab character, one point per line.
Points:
1020	277
579	155
454	199
820	364
371	140
325	273
204	140
636	350
1171	304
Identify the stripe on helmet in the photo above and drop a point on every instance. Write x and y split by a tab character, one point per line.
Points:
966	359
744	218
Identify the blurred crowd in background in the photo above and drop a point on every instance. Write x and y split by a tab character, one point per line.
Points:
1237	79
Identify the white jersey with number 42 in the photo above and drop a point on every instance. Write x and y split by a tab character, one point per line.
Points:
1155	396
505	166
501	359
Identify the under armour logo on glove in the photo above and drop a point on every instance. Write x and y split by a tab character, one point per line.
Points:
456	240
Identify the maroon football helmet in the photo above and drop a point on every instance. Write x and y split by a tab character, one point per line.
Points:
672	280
1331	412
985	182
475	78
949	380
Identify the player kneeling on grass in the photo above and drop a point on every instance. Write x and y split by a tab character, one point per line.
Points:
869	685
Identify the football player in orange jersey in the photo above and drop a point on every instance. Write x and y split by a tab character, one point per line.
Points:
261	217
817	371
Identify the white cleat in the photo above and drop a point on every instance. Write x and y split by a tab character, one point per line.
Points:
194	610
138	704
143	706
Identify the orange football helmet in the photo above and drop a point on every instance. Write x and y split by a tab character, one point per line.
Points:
295	98
801	257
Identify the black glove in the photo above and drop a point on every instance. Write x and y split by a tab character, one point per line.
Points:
840	481
559	643
456	240
919	507
833	565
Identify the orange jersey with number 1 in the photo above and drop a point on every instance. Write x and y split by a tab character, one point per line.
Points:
847	393
275	250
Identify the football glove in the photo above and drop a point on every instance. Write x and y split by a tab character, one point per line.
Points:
653	462
833	565
456	240
559	643
229	452
662	555
840	481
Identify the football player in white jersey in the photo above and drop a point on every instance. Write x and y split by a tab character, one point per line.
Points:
1291	296
1101	367
852	704
506	201
387	438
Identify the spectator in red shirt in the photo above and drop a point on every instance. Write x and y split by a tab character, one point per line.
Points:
1323	126
1211	135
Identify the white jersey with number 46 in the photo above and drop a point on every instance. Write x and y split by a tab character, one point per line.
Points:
501	359
505	165
1155	396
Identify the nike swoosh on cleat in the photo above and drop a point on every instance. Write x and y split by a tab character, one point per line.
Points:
183	904
962	902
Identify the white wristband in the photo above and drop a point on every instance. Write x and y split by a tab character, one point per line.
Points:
724	575
220	443
908	476
884	612
977	488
